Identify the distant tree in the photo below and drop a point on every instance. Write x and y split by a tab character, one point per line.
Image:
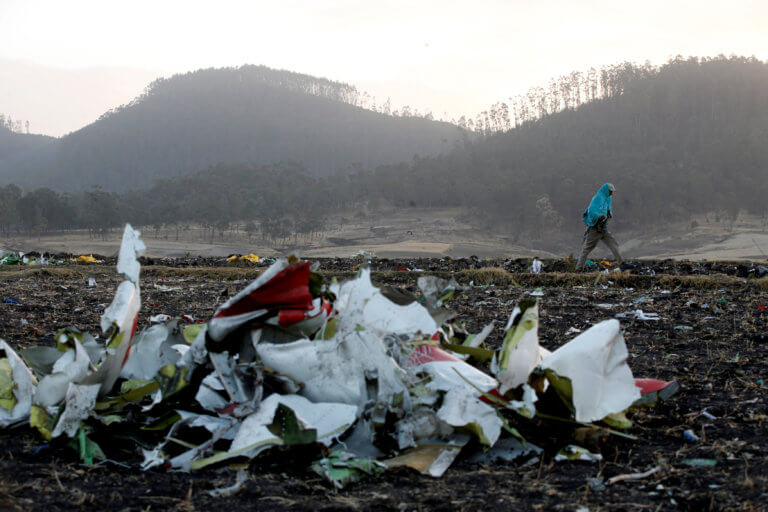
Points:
101	212
9	197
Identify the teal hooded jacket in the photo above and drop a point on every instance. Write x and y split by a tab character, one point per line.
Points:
599	206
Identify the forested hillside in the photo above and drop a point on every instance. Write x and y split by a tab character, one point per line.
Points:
687	137
20	151
684	138
249	114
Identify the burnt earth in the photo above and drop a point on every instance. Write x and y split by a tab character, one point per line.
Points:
720	364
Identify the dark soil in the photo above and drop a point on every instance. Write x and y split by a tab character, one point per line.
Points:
642	267
720	364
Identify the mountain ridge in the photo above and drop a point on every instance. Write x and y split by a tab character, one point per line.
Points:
192	121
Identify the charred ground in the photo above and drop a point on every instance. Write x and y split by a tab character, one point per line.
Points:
719	362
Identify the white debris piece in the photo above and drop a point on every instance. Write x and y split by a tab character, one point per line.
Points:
23	388
159	319
638	314
421	424
335	370
123	309
482	335
147	355
207	395
224	492
461	409
358	302
78	405
447	372
130	249
211	423
596	363
123	314
520	352
71	367
330	420
525	406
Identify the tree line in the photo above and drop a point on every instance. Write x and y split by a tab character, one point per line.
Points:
677	140
8	124
44	210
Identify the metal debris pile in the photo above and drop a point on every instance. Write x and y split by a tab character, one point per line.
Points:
370	379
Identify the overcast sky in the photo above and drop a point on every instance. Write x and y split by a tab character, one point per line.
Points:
63	63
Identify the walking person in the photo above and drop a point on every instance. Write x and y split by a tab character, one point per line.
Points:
596	218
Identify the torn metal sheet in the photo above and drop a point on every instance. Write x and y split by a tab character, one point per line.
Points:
242	383
327	420
420	424
338	369
211	423
195	454
78	404
131	248
208	394
436	291
478	339
18	387
358	302
121	317
573	452
151	350
519	353
639	314
432	458
595	362
448	372
71	367
360	441
509	449
462	409
525	406
280	286
302	322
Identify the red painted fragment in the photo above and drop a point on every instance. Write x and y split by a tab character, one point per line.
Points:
287	290
429	353
651	385
229	409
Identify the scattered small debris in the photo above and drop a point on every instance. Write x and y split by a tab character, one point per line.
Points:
690	436
699	463
377	379
633	476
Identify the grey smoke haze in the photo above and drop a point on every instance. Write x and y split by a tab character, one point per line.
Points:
452	57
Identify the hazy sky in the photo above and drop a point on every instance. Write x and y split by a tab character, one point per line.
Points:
446	56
